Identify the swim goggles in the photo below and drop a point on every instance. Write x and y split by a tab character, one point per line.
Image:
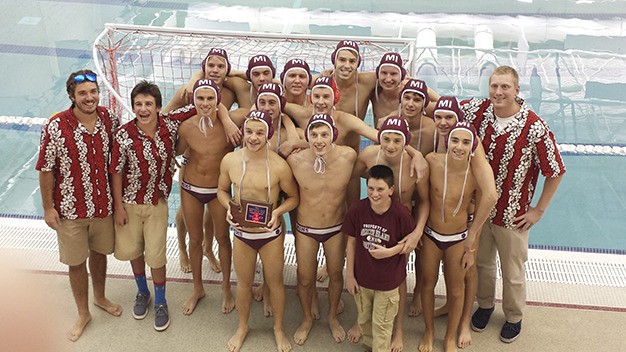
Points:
85	77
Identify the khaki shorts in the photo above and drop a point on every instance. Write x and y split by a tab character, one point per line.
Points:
145	233
77	237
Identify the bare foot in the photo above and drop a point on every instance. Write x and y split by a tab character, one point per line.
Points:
340	306
236	341
301	334
257	293
397	341
354	334
79	325
426	345
213	262
282	342
339	334
228	301
415	309
465	336
322	274
439	311
192	301
449	345
110	307
183	260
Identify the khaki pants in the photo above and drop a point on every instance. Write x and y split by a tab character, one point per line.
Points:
512	245
376	312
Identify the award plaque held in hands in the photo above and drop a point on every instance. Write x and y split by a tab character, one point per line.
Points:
251	213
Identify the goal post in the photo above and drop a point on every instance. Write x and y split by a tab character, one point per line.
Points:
127	54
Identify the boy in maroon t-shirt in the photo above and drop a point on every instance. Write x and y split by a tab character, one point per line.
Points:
375	268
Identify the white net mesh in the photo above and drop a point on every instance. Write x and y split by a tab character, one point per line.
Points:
168	57
565	86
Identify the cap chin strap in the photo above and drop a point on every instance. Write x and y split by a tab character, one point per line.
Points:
356	96
243	173
280	127
445	187
319	166
419	137
204	121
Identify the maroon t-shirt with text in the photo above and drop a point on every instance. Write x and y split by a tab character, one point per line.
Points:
387	229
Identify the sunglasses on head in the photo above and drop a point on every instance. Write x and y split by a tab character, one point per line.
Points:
85	77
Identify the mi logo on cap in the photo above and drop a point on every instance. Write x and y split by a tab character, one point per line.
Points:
324	80
259	58
297	62
256	114
392	58
218	51
349	43
267	86
444	103
416	84
396	122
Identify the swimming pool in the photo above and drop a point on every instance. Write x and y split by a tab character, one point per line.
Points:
586	214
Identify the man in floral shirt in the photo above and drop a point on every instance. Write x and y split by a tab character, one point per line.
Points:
519	145
74	180
142	166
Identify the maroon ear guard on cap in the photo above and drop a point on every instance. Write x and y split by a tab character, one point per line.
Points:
346	45
275	89
464	125
325	119
263	117
391	59
217	52
395	124
326	82
450	104
416	86
206	84
296	64
259	61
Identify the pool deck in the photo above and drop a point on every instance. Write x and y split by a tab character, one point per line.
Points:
576	302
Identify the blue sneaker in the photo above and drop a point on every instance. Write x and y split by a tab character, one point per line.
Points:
510	331
140	310
161	317
480	318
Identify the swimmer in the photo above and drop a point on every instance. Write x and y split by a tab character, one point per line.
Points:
246	84
207	143
215	67
391	80
447	235
257	176
323	172
296	78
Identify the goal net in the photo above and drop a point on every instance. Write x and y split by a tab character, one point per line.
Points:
126	54
564	86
